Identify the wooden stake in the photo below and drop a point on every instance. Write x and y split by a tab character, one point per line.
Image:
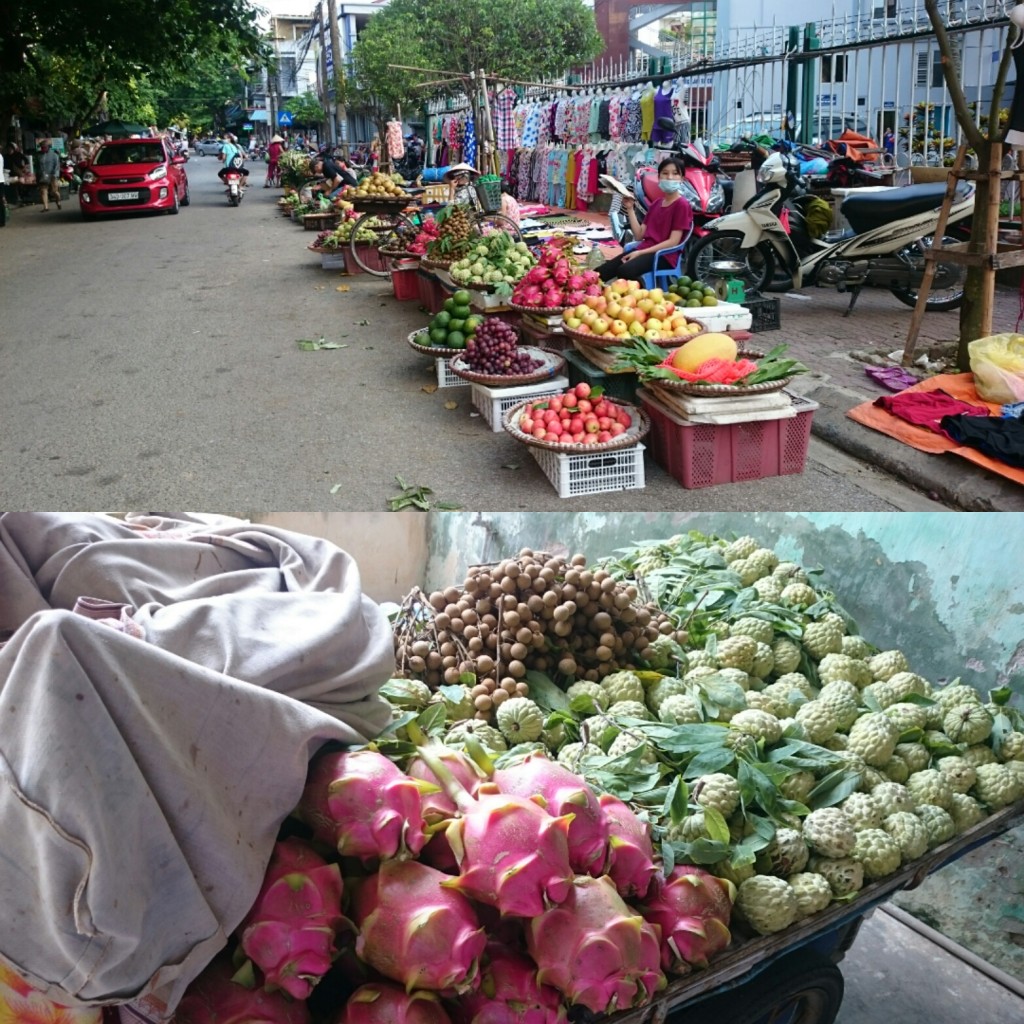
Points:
988	292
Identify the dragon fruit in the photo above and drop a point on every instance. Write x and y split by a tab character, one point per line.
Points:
364	805
380	1003
414	929
214	998
576	298
290	931
577	282
691	909
562	792
509	993
536	275
561	273
595	950
439	806
511	853
630	862
594	289
531	295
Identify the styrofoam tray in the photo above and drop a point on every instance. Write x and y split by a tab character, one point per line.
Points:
726	316
704	406
728	414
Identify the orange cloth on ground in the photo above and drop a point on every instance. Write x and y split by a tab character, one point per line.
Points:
958	385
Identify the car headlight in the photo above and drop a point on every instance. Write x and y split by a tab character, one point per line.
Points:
157	172
716	199
764	174
88	177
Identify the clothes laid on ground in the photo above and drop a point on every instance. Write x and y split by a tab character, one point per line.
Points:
927	408
999	438
163	684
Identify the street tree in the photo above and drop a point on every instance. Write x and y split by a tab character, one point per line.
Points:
306	109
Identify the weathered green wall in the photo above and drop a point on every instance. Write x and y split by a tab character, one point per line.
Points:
946	588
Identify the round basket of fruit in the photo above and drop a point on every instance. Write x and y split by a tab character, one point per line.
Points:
558	282
495	364
581	419
601	337
454	325
420	342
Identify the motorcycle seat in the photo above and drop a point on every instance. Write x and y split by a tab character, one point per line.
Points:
650	187
875	209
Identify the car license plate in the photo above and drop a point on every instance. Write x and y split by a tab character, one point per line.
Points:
123	196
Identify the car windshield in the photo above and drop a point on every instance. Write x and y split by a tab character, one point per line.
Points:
141	153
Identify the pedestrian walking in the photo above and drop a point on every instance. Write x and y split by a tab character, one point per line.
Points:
49	175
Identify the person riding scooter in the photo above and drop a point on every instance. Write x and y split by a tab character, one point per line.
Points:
233	158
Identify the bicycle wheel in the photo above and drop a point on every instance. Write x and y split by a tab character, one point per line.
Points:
488	223
387	230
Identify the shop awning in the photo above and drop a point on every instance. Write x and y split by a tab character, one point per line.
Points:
259	115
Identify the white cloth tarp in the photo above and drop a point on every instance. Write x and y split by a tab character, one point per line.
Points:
163	684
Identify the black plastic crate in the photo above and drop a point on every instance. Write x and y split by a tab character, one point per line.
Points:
765	311
616	385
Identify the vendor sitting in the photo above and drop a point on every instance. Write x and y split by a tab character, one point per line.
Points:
460	184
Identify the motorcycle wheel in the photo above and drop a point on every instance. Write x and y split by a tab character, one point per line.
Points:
939	300
234	200
728	245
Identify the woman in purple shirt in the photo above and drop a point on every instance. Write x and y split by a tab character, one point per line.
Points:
667	223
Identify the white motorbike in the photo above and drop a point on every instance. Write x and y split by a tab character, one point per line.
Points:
890	229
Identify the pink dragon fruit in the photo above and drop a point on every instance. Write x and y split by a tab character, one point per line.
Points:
290	931
630	850
360	802
531	295
509	992
576	298
438	806
414	929
595	950
214	998
691	909
594	289
577	282
380	1003
536	275
511	853
561	273
562	793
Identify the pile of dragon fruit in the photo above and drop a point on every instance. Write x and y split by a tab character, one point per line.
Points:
428	233
446	891
558	280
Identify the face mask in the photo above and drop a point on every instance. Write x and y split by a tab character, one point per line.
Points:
670	185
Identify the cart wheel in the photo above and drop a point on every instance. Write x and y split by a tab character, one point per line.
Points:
799	991
488	223
386	227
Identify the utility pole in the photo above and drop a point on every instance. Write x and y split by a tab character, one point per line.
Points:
323	69
340	113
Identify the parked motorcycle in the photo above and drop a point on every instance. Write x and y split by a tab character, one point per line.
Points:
702	188
890	230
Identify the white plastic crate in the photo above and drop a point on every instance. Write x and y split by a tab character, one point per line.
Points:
445	377
493	403
592	473
726	316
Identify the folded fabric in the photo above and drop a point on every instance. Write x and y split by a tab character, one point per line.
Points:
926	408
163	687
895	378
999	438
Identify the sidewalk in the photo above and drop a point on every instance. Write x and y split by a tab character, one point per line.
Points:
812	324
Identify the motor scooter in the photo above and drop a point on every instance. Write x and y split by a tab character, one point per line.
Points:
234	182
890	230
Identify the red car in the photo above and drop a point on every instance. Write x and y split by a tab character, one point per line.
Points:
133	175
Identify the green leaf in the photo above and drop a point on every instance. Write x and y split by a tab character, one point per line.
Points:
715	824
870	701
940	748
452	692
833	789
745	851
703	851
676	800
467	678
545	693
1000	696
709	761
668	858
432	718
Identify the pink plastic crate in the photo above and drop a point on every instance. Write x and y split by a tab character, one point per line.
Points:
404	284
706	454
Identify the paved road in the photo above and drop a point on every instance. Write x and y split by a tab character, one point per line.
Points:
152	362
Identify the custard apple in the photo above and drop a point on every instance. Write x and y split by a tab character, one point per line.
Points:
663	653
700	659
790	572
857	647
630	709
737	652
939	823
572	754
930	787
979	755
767	903
896	769
948	697
822	638
736	875
796	681
667	686
843	698
741	547
690	829
748	571
785	855
910	832
916	755
798	595
764	661
862	809
882	693
886	664
958	772
996	786
719	791
874	737
769	589
842	666
872	777
965	812
891	797
906	683
813	893
967	723
620	686
878	852
786	654
844	876
829	832
735	676
761	724
699	672
520	720
759	700
798	786
818	719
486	735
1012	747
788	695
759	629
455	710
764	560
680	709
595	691
907	716
626	742
837	741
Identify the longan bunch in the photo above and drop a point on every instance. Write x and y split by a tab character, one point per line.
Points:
531	612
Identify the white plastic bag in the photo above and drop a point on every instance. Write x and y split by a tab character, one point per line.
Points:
997	363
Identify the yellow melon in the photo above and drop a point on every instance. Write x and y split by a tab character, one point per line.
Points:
702	348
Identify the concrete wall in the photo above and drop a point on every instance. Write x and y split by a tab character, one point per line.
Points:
943	587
